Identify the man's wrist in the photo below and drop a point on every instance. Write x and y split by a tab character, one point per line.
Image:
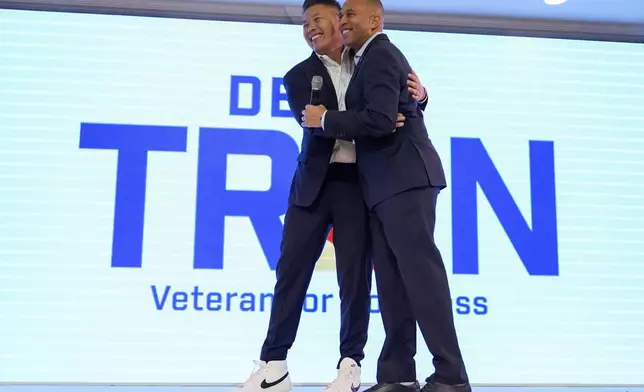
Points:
425	98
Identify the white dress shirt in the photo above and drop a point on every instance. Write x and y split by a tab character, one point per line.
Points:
343	151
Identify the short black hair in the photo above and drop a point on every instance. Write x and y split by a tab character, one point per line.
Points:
310	3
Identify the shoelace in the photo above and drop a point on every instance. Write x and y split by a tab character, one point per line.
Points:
346	375
257	370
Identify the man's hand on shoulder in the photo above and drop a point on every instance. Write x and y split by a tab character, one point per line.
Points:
312	116
416	88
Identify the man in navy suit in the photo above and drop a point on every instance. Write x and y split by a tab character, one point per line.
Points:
325	191
401	175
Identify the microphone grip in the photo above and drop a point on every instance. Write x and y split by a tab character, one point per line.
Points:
315	97
314	100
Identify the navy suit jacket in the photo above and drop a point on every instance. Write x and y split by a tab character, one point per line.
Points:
316	150
389	162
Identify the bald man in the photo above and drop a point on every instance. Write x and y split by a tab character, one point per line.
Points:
401	176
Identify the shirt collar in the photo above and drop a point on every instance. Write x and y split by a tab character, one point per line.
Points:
360	52
327	60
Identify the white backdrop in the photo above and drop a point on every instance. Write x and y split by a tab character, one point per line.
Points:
552	131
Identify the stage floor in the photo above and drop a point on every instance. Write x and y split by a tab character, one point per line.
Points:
79	388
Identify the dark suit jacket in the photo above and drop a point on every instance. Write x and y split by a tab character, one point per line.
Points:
315	153
389	162
316	150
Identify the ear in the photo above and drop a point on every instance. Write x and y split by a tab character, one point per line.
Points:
376	21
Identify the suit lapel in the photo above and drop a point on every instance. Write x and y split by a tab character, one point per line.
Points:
364	54
318	68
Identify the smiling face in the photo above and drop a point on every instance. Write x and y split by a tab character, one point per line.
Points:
359	20
321	28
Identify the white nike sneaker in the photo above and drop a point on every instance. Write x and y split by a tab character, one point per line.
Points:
269	376
348	379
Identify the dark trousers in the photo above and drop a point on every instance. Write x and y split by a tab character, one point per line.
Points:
413	288
340	204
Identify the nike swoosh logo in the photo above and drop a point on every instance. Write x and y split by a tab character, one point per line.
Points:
355	389
266	385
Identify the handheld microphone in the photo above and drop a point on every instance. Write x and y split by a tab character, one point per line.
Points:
316	86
